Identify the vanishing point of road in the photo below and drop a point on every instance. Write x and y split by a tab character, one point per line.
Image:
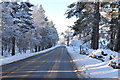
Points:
55	64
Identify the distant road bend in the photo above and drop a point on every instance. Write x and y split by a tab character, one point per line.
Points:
52	64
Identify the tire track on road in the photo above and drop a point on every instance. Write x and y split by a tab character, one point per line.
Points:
55	65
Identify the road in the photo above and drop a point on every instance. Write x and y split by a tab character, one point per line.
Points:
52	64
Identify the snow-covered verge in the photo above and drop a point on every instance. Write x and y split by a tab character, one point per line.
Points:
17	57
105	55
99	54
91	67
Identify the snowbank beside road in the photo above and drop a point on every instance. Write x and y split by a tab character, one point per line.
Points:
17	57
90	67
106	55
99	54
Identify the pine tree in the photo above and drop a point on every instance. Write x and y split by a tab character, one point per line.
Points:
46	29
112	20
117	46
1	51
39	22
52	34
86	13
8	25
95	33
16	21
24	20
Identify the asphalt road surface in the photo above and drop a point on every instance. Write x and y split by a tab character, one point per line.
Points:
52	64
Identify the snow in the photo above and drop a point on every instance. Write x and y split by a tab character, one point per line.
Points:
17	57
108	52
90	67
76	43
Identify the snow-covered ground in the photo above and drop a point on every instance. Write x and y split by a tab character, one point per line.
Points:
17	57
91	67
96	64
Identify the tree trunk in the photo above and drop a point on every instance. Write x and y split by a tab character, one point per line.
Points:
8	50
50	45
111	44
46	47
39	48
42	47
1	43
111	39
2	50
13	46
68	41
117	46
24	50
35	48
95	34
20	50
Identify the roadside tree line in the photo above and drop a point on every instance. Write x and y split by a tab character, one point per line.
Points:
25	27
92	17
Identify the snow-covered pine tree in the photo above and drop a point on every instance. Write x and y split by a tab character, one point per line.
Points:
84	13
45	29
54	33
1	29
117	45
111	15
24	21
16	21
111	11
39	17
95	33
51	33
8	26
39	22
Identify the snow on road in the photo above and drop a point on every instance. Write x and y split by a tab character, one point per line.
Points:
90	67
17	57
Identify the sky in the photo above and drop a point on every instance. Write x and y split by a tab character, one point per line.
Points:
55	10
